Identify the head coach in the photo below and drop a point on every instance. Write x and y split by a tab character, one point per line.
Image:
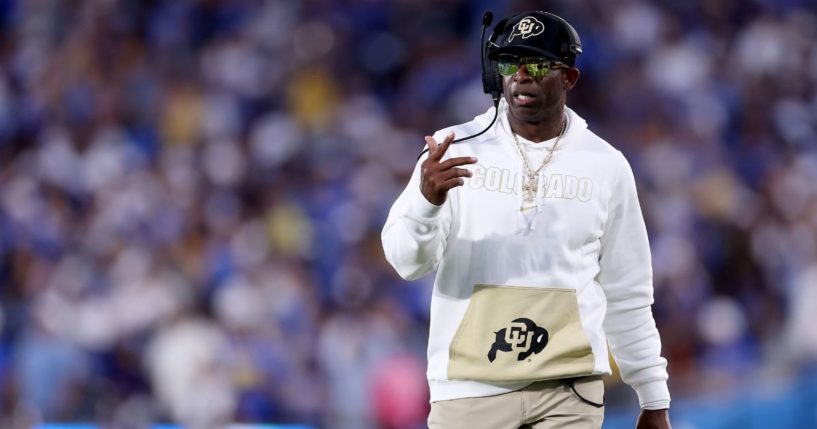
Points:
533	227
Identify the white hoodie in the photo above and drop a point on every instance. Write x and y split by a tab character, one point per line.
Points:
534	294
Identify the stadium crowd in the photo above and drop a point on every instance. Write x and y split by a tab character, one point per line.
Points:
192	193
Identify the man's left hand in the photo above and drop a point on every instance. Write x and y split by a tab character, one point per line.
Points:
653	419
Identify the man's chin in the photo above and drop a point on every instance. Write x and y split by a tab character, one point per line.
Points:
526	113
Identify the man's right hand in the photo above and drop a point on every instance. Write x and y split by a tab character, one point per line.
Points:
437	178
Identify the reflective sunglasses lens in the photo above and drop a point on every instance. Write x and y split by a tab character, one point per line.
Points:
537	69
507	68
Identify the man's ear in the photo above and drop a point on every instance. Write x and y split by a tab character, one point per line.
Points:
571	76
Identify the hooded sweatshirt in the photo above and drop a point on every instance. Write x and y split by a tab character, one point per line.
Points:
527	291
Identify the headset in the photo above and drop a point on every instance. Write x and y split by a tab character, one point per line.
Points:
491	79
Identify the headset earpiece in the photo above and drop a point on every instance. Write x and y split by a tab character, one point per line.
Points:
491	79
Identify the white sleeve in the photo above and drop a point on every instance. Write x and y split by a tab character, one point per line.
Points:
626	277
414	234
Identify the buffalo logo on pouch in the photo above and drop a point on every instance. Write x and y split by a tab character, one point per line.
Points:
527	27
523	336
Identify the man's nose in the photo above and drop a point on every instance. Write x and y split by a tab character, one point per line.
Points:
521	74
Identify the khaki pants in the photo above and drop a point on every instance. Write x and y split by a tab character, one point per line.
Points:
549	404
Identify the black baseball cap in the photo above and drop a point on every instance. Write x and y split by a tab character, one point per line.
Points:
540	34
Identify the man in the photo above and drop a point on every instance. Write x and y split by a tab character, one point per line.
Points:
541	252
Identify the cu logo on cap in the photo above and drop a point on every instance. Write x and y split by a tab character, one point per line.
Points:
527	27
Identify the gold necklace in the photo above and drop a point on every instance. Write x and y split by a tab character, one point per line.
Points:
531	183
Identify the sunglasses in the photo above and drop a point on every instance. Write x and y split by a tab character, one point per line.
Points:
536	67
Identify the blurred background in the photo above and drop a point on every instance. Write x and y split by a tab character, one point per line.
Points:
192	194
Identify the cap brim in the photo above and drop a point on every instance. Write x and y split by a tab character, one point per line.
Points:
523	51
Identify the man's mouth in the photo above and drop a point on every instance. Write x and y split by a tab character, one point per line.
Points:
523	98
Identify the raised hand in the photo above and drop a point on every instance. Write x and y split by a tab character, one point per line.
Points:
437	177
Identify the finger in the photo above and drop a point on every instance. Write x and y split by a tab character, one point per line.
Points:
455	172
452	183
461	160
446	143
432	147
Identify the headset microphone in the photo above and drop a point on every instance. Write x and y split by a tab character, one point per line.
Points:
488	83
487	17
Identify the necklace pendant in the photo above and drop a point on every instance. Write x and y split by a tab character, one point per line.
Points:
529	187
